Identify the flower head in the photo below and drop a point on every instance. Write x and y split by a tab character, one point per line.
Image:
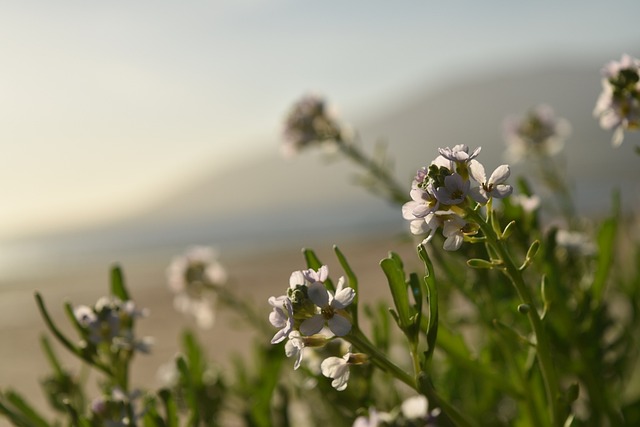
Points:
618	106
338	368
190	276
331	309
492	187
539	132
308	122
109	323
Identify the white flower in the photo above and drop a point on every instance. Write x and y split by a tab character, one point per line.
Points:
453	230
618	105
539	132
528	203
296	344
189	275
453	191
424	202
459	153
375	419
415	407
493	187
281	317
338	368
331	309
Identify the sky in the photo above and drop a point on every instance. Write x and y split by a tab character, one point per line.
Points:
105	107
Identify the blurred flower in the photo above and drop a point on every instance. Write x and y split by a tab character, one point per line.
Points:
416	408
110	321
539	132
338	368
493	187
618	106
190	277
331	309
577	242
307	123
528	203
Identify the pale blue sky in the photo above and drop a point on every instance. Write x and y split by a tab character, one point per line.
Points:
104	107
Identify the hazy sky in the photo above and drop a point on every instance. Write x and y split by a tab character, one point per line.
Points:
106	106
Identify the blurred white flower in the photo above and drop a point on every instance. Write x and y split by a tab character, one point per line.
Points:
190	277
539	132
618	106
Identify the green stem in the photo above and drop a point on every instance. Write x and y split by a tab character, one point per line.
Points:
396	193
543	349
358	339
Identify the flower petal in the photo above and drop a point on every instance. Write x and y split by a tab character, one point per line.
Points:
312	325
318	294
343	298
500	175
476	170
339	325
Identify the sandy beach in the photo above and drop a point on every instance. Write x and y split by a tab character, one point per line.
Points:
255	276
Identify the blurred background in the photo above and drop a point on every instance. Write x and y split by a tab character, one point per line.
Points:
131	126
130	130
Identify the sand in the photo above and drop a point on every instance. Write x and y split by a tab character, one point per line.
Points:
255	276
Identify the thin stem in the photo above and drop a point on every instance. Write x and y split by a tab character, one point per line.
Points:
543	349
396	193
358	339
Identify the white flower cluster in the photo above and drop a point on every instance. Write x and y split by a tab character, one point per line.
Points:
189	275
310	316
440	194
110	322
618	106
539	132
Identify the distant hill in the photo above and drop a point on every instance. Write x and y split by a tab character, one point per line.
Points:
269	199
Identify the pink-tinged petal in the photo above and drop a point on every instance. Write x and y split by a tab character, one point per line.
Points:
442	161
343	298
408	210
476	170
453	243
501	191
479	195
323	273
339	325
279	336
277	317
500	175
312	325
318	294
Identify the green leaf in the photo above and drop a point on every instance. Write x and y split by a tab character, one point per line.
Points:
606	250
392	268
353	283
26	410
432	299
118	288
170	407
